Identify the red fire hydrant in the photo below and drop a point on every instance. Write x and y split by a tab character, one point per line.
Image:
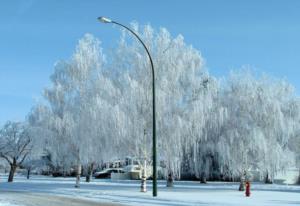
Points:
247	192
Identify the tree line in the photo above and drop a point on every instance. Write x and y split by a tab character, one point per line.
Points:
98	109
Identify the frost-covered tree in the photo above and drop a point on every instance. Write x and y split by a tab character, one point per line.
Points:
294	141
180	78
258	127
15	145
99	108
70	102
205	115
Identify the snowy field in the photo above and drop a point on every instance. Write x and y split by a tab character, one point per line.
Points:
127	192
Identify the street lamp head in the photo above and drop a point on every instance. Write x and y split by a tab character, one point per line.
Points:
104	19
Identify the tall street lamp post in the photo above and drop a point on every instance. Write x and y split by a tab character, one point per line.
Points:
107	20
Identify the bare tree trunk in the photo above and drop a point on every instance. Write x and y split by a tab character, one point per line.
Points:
12	171
64	172
28	172
299	178
170	180
242	183
144	178
203	178
268	179
242	186
89	172
78	174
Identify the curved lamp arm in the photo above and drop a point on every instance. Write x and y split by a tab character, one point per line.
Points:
107	20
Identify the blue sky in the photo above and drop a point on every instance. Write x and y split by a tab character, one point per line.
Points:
35	34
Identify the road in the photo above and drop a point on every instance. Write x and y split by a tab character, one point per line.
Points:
37	199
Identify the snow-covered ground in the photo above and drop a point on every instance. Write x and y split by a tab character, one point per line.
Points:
127	192
6	200
5	203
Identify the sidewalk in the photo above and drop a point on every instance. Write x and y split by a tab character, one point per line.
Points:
35	199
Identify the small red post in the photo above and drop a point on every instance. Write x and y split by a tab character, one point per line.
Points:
247	192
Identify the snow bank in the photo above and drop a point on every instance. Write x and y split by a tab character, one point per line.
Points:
184	193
